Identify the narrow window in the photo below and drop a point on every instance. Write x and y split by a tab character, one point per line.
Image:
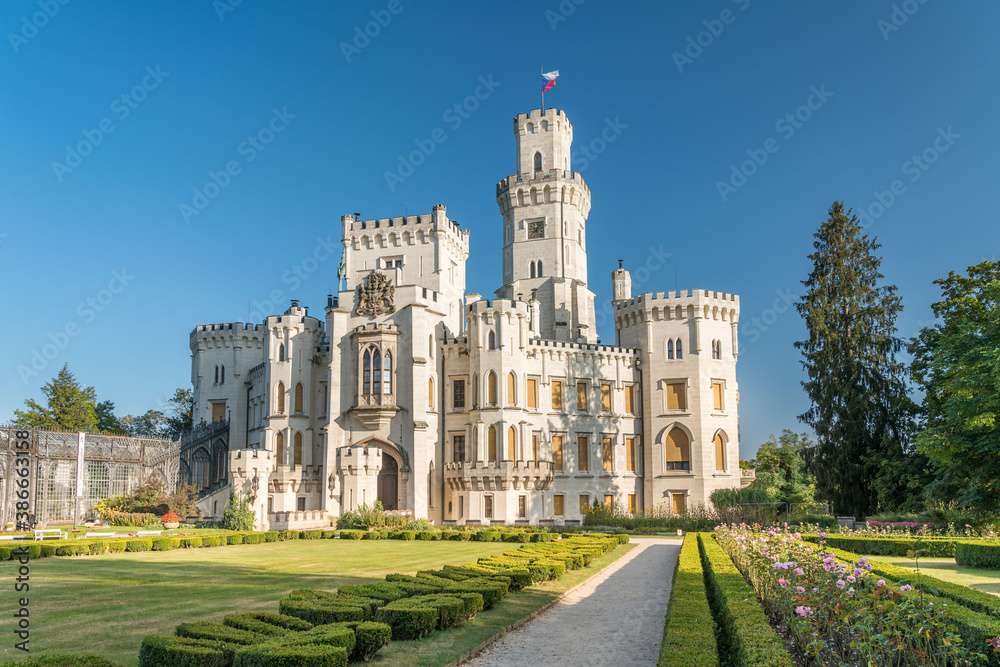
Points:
609	502
717	395
605	397
720	452
581	396
632	506
488	507
279	447
430	393
522	506
475	390
670	349
216	375
511	389
532	393
534	446
458	443
584	504
387	373
630	454
679	355
298	397
557	395
458	394
297	442
678	503
557	452
539	271
532	269
377	376
367	382
538	161
608	454
676	399
222	376
430	346
492	439
491	388
630	399
582	454
281	397
511	444
559	505
678	450
281	352
493	341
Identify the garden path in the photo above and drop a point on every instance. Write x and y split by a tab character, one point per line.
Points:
615	618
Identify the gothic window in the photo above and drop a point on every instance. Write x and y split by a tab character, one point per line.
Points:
281	397
539	269
493	340
297	449
222	376
678	450
298	397
475	390
538	161
377	368
430	393
511	444
670	349
202	469
491	438
281	352
491	388
279	447
679	355
367	380
511	388
430	345
217	372
387	374
720	451
532	265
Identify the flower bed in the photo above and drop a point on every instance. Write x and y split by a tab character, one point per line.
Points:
842	613
688	630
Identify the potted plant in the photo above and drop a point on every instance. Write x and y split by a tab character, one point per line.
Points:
170	521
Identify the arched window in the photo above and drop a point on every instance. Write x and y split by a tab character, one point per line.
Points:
511	444
532	265
387	374
538	161
430	345
493	340
491	388
367	379
279	447
297	449
670	349
720	452
539	271
222	375
677	452
280	400
377	375
298	397
475	390
281	352
511	388
679	355
202	469
430	393
492	446
216	375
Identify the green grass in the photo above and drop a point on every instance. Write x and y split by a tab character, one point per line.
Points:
107	604
444	647
987	581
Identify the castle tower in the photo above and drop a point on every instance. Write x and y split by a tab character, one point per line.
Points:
545	207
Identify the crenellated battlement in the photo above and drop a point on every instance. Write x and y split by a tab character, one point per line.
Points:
410	228
555	120
499	307
679	305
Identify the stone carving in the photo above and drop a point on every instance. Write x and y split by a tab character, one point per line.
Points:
376	296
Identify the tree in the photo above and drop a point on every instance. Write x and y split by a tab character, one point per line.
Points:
957	363
149	425
68	406
106	420
781	469
856	388
238	515
180	417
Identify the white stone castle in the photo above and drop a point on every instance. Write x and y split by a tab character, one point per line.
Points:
464	410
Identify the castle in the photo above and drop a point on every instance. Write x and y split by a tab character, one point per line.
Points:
466	410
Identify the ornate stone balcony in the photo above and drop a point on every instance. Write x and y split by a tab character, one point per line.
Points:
375	410
747	476
498	475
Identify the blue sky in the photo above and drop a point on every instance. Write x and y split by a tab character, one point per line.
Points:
115	114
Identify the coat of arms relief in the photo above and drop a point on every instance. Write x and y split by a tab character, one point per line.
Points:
376	295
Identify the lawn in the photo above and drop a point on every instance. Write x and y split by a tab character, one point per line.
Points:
107	604
945	569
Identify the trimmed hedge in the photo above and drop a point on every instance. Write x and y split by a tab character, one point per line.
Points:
978	554
217	632
280	655
745	635
144	544
330	635
408	622
689	629
318	613
166	651
266	623
63	660
883	546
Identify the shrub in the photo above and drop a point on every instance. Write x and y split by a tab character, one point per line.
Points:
880	546
164	544
189	542
98	547
271	536
746	636
688	630
143	544
234	538
370	638
71	549
337	634
46	550
425	535
141	519
409	535
408	623
166	651
381	591
353	534
329	534
312	534
217	632
238	515
973	554
252	538
63	660
116	546
280	655
289	535
322	612
268	618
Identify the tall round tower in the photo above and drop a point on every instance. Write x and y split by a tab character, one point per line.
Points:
545	207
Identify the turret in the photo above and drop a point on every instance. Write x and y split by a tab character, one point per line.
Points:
621	284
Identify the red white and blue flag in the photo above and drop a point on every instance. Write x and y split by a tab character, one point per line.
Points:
549	80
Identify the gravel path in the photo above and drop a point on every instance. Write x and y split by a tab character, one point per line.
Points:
616	618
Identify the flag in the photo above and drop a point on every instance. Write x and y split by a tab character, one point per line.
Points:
549	80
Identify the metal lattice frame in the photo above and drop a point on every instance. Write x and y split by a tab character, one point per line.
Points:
113	464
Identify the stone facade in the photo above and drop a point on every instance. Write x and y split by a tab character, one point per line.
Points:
459	409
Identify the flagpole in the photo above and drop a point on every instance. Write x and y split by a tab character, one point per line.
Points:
541	70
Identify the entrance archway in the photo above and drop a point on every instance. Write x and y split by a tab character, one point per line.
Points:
388	482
